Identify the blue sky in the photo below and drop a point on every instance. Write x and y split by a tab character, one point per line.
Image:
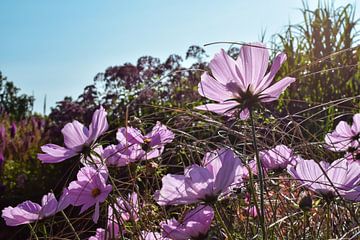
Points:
57	47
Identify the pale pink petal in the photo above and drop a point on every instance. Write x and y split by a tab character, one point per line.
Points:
96	214
55	153
98	126
75	135
212	89
225	175
172	191
219	108
245	114
341	138
252	63
223	68
23	213
199	182
269	77
129	136
356	124
273	92
49	205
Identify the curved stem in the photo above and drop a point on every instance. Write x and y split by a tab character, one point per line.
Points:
261	177
219	218
328	220
33	232
71	226
305	224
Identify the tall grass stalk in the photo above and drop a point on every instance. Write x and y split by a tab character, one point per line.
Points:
261	178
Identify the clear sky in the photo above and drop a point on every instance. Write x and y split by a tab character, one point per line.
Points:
57	47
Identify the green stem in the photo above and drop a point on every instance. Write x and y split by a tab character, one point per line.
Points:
33	232
305	224
45	232
328	219
219	218
261	177
71	226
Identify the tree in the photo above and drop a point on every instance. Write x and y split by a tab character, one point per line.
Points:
17	106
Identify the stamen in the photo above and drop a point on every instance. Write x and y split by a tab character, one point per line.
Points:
95	192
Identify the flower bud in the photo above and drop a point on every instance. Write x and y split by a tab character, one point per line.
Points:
305	203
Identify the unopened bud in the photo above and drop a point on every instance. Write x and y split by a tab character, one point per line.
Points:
305	203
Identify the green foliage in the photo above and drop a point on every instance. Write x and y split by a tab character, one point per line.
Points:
322	56
18	106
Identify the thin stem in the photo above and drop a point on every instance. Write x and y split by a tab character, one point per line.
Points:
45	232
305	224
261	177
71	226
328	219
219	218
33	232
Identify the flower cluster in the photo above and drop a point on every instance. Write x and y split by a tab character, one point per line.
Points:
222	175
92	188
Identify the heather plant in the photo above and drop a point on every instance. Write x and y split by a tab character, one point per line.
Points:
21	174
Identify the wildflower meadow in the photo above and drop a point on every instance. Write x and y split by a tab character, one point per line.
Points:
260	142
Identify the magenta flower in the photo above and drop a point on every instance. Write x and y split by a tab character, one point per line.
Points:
341	176
242	83
195	225
216	178
99	235
251	211
90	189
28	212
152	143
345	137
276	158
77	139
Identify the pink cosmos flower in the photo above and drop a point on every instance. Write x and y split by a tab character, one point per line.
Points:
220	173
77	139
276	158
99	235
242	83
152	143
122	211
344	137
341	176
90	189
122	155
195	225
251	166
28	212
